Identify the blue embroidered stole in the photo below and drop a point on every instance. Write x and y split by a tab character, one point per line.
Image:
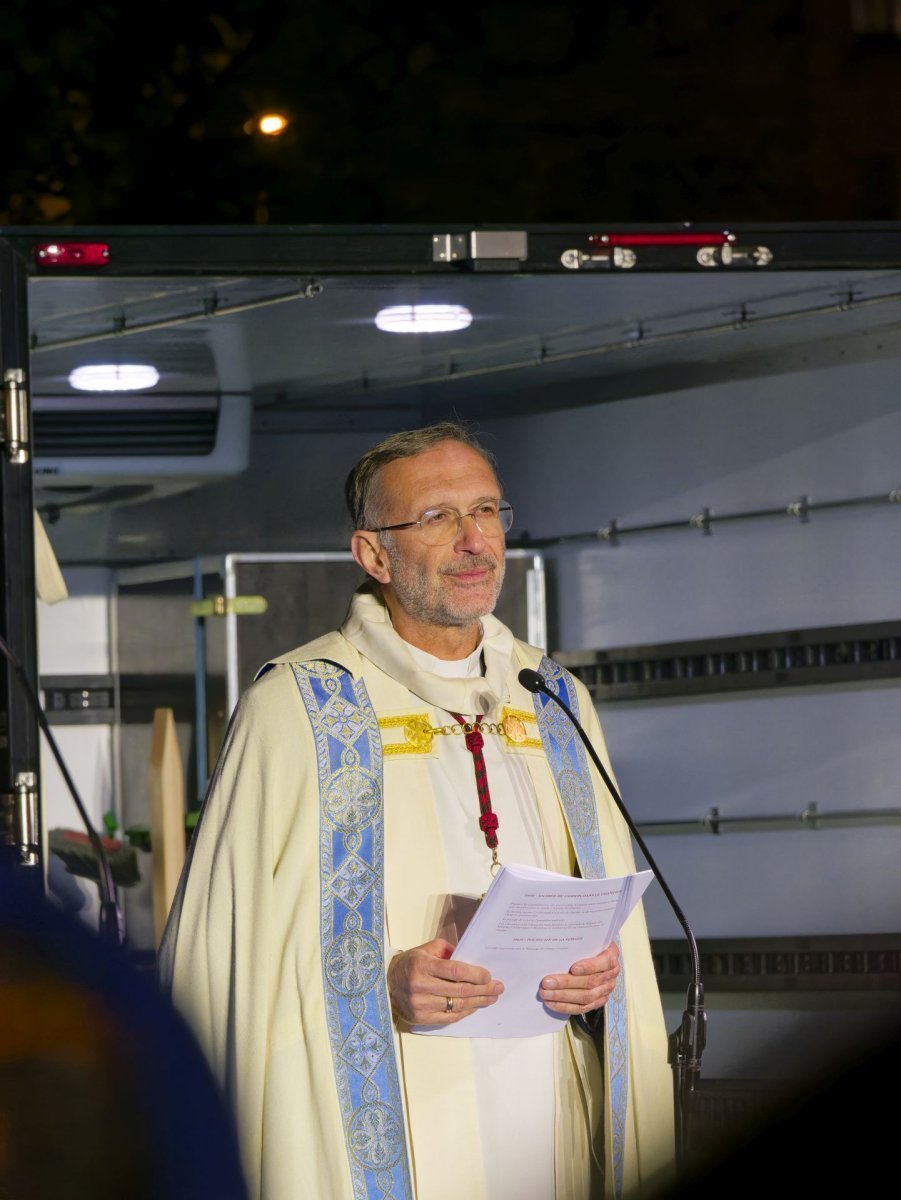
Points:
352	920
569	765
352	928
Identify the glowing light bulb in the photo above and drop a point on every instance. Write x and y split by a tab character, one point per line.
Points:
423	318
114	377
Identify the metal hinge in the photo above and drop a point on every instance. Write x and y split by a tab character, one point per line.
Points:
19	818
14	430
491	250
220	606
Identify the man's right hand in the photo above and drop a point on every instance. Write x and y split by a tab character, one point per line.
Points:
427	988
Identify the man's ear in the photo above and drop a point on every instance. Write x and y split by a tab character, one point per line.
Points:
369	553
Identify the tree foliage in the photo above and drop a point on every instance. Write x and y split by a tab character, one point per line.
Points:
504	111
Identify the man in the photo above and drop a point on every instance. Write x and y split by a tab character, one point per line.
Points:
347	833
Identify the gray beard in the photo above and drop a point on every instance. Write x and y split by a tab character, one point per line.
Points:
432	606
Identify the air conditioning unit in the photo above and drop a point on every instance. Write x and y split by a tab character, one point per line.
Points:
96	451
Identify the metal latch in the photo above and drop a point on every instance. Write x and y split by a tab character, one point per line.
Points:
486	250
734	256
616	256
19	818
220	606
14	431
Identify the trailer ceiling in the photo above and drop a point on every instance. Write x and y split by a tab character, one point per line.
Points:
286	317
306	348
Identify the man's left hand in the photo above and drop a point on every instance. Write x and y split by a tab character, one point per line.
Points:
586	987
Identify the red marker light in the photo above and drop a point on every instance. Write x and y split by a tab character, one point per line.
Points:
72	254
661	239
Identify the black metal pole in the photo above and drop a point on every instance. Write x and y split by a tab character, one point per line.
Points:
20	820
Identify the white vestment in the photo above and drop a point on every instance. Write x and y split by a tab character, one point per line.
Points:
246	952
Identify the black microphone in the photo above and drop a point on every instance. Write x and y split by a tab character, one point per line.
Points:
687	1042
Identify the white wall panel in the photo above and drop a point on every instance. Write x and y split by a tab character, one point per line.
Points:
74	639
735	446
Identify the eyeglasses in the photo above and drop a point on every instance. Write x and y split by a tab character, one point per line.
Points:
438	526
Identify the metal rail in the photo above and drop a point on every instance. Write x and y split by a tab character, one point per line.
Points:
801	509
809	818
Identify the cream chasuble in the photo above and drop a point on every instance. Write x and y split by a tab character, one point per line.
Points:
250	962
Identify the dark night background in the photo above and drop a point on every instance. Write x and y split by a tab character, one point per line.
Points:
520	111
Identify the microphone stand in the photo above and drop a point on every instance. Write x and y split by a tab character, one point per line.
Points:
686	1043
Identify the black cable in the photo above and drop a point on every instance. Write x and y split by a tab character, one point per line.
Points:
535	682
685	1044
110	926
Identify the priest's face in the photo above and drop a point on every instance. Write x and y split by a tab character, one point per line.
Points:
448	585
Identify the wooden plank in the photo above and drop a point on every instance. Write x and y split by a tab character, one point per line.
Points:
167	814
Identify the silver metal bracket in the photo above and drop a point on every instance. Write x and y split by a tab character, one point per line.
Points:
703	521
800	509
14	429
729	255
610	533
492	249
711	820
809	817
19	819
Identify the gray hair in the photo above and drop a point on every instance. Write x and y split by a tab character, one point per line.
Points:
361	490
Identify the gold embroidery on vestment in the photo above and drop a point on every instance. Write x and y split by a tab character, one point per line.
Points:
419	732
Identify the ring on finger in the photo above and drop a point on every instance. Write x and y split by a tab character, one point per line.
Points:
449	1007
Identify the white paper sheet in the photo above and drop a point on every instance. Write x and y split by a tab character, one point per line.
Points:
534	923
